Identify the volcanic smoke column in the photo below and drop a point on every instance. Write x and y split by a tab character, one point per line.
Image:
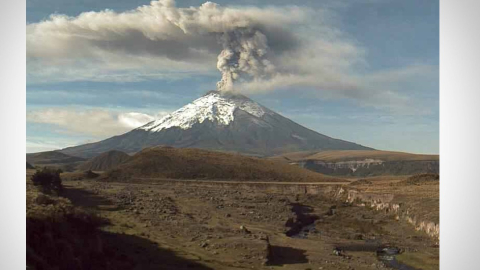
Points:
244	55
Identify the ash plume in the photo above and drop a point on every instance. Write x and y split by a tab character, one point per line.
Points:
244	53
186	37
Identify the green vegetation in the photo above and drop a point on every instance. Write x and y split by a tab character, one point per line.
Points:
59	235
419	260
48	180
421	179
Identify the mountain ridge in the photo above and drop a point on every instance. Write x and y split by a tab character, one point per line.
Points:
219	121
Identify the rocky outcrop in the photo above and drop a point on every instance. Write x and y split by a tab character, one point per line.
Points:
385	202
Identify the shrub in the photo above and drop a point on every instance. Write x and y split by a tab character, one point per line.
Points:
48	179
62	236
89	174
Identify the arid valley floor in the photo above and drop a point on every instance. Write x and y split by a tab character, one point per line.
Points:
177	224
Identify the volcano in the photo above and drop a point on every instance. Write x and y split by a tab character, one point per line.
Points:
222	121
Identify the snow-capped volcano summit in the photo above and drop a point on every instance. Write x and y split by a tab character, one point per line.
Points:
215	106
221	121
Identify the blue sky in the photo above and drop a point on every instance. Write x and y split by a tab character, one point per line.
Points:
383	57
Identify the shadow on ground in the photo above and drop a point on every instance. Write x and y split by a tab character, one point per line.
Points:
64	246
88	199
303	218
140	253
286	255
60	236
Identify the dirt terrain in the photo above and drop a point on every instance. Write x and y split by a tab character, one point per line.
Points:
215	225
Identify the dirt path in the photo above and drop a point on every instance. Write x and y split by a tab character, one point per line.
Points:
156	180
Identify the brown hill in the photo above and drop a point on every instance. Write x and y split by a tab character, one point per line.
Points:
51	157
190	163
54	159
347	155
421	179
362	163
30	166
105	161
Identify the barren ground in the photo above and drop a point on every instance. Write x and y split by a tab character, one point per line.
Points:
201	223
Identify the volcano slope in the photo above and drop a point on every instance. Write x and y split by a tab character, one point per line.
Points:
219	121
188	163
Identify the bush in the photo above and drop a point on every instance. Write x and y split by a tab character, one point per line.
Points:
48	179
89	174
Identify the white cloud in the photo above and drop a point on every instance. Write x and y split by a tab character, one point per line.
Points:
134	119
98	123
162	41
261	49
34	147
40	144
153	40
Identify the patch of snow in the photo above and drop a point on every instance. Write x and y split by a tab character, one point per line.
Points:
298	137
214	106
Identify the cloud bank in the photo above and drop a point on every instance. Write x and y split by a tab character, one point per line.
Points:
180	39
98	123
255	49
